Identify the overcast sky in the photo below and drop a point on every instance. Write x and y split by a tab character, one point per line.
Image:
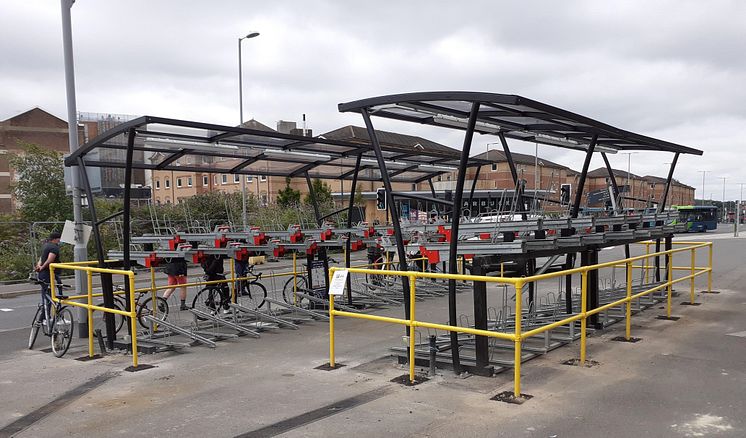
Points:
670	69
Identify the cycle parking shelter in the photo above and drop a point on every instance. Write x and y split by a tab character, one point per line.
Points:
519	334
509	116
157	143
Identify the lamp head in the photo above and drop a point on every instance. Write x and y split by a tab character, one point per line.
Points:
252	34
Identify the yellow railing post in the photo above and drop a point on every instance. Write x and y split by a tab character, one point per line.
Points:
709	265
628	322
669	289
517	356
52	290
583	322
412	294
90	314
331	318
691	282
646	262
133	318
233	280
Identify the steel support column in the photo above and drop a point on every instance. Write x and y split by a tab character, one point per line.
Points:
455	221
661	207
319	222
614	186
471	192
126	220
583	175
481	343
348	246
513	173
391	208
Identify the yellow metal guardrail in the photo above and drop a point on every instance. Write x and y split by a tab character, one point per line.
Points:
90	307
518	336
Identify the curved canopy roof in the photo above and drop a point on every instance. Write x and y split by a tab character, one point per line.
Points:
179	145
514	116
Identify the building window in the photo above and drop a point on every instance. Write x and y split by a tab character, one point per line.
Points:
494	167
189	181
448	177
167	184
264	199
249	178
157	184
440	178
205	180
263	178
236	179
225	179
414	187
178	182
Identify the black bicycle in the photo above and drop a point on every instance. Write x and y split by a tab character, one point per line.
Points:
251	293
213	297
299	283
143	304
58	326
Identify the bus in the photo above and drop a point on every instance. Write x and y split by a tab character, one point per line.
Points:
698	218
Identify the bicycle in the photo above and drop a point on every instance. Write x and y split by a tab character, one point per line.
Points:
144	308
252	290
299	283
213	297
58	326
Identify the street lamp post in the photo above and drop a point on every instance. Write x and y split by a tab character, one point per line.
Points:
738	212
725	210
240	105
703	172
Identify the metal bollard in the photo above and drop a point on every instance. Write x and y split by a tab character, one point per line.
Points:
433	350
101	345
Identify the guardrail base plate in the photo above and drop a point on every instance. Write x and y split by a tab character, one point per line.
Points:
623	339
140	367
687	303
327	367
668	318
710	292
87	358
404	380
508	397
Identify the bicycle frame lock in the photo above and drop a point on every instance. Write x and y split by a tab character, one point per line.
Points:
72	300
516	331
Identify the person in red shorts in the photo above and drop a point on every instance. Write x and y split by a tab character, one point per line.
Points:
176	269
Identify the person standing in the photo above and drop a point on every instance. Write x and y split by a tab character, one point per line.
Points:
50	253
176	269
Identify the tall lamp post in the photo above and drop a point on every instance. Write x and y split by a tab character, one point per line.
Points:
725	210
240	104
703	172
738	212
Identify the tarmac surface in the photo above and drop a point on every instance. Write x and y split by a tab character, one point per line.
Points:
685	378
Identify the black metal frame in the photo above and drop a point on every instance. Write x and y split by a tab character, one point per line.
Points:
506	116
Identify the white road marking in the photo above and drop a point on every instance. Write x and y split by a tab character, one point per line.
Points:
739	334
5	310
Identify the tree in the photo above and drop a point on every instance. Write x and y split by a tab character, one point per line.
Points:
323	194
288	197
40	186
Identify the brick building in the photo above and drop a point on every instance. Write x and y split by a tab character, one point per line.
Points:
33	126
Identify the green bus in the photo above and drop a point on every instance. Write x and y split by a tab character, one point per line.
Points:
698	218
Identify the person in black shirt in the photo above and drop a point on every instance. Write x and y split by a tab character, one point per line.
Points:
50	253
213	266
176	269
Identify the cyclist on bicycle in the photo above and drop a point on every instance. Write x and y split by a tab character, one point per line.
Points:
213	266
50	253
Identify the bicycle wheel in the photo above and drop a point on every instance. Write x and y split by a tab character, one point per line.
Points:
99	319
63	326
146	309
380	280
254	295
207	300
35	326
301	284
